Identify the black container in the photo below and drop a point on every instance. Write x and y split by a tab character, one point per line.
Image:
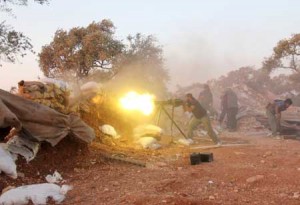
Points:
206	157
195	158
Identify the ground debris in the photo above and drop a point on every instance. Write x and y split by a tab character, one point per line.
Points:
255	178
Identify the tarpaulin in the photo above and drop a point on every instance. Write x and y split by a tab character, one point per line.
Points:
42	122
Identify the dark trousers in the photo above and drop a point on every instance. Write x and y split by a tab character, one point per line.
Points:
231	117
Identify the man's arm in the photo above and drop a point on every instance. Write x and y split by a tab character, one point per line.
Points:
188	107
277	113
278	117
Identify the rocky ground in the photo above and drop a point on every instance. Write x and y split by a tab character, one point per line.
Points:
265	171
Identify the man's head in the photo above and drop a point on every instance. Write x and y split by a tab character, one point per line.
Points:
288	102
189	96
21	83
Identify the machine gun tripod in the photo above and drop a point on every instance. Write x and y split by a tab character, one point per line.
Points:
161	108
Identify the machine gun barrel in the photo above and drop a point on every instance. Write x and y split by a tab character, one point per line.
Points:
171	102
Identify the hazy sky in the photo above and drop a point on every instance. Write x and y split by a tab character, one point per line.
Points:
202	39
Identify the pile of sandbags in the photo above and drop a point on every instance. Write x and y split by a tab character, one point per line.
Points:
147	136
49	94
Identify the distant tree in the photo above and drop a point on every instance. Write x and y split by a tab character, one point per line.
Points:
142	65
81	51
13	43
286	55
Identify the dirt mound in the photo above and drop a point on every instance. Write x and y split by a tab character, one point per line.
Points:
69	153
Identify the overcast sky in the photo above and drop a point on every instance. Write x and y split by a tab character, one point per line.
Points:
202	39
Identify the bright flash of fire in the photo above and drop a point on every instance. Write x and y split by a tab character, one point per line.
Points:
138	102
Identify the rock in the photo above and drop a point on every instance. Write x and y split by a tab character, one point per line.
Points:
296	195
267	154
115	183
179	168
161	164
21	174
210	182
298	169
255	178
211	198
262	161
77	170
239	153
93	161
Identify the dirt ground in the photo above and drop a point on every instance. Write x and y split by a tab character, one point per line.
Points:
265	171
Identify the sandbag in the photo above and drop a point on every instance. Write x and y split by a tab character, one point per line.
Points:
37	193
147	129
148	143
7	163
51	94
109	130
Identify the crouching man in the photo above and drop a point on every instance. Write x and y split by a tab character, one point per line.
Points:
199	117
273	111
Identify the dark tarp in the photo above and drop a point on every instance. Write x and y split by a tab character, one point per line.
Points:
42	122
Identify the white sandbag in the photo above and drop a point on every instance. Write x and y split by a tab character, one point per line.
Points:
55	178
109	130
7	162
37	193
148	143
147	129
186	142
24	147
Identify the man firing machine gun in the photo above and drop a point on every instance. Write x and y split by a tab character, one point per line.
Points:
199	117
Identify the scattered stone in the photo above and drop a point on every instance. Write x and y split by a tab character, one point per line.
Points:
179	168
267	154
255	178
164	201
296	195
93	161
161	164
115	183
210	182
183	194
262	161
21	174
77	170
239	153
211	198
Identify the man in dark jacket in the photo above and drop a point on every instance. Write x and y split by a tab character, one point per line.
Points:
273	111
229	106
199	117
206	99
